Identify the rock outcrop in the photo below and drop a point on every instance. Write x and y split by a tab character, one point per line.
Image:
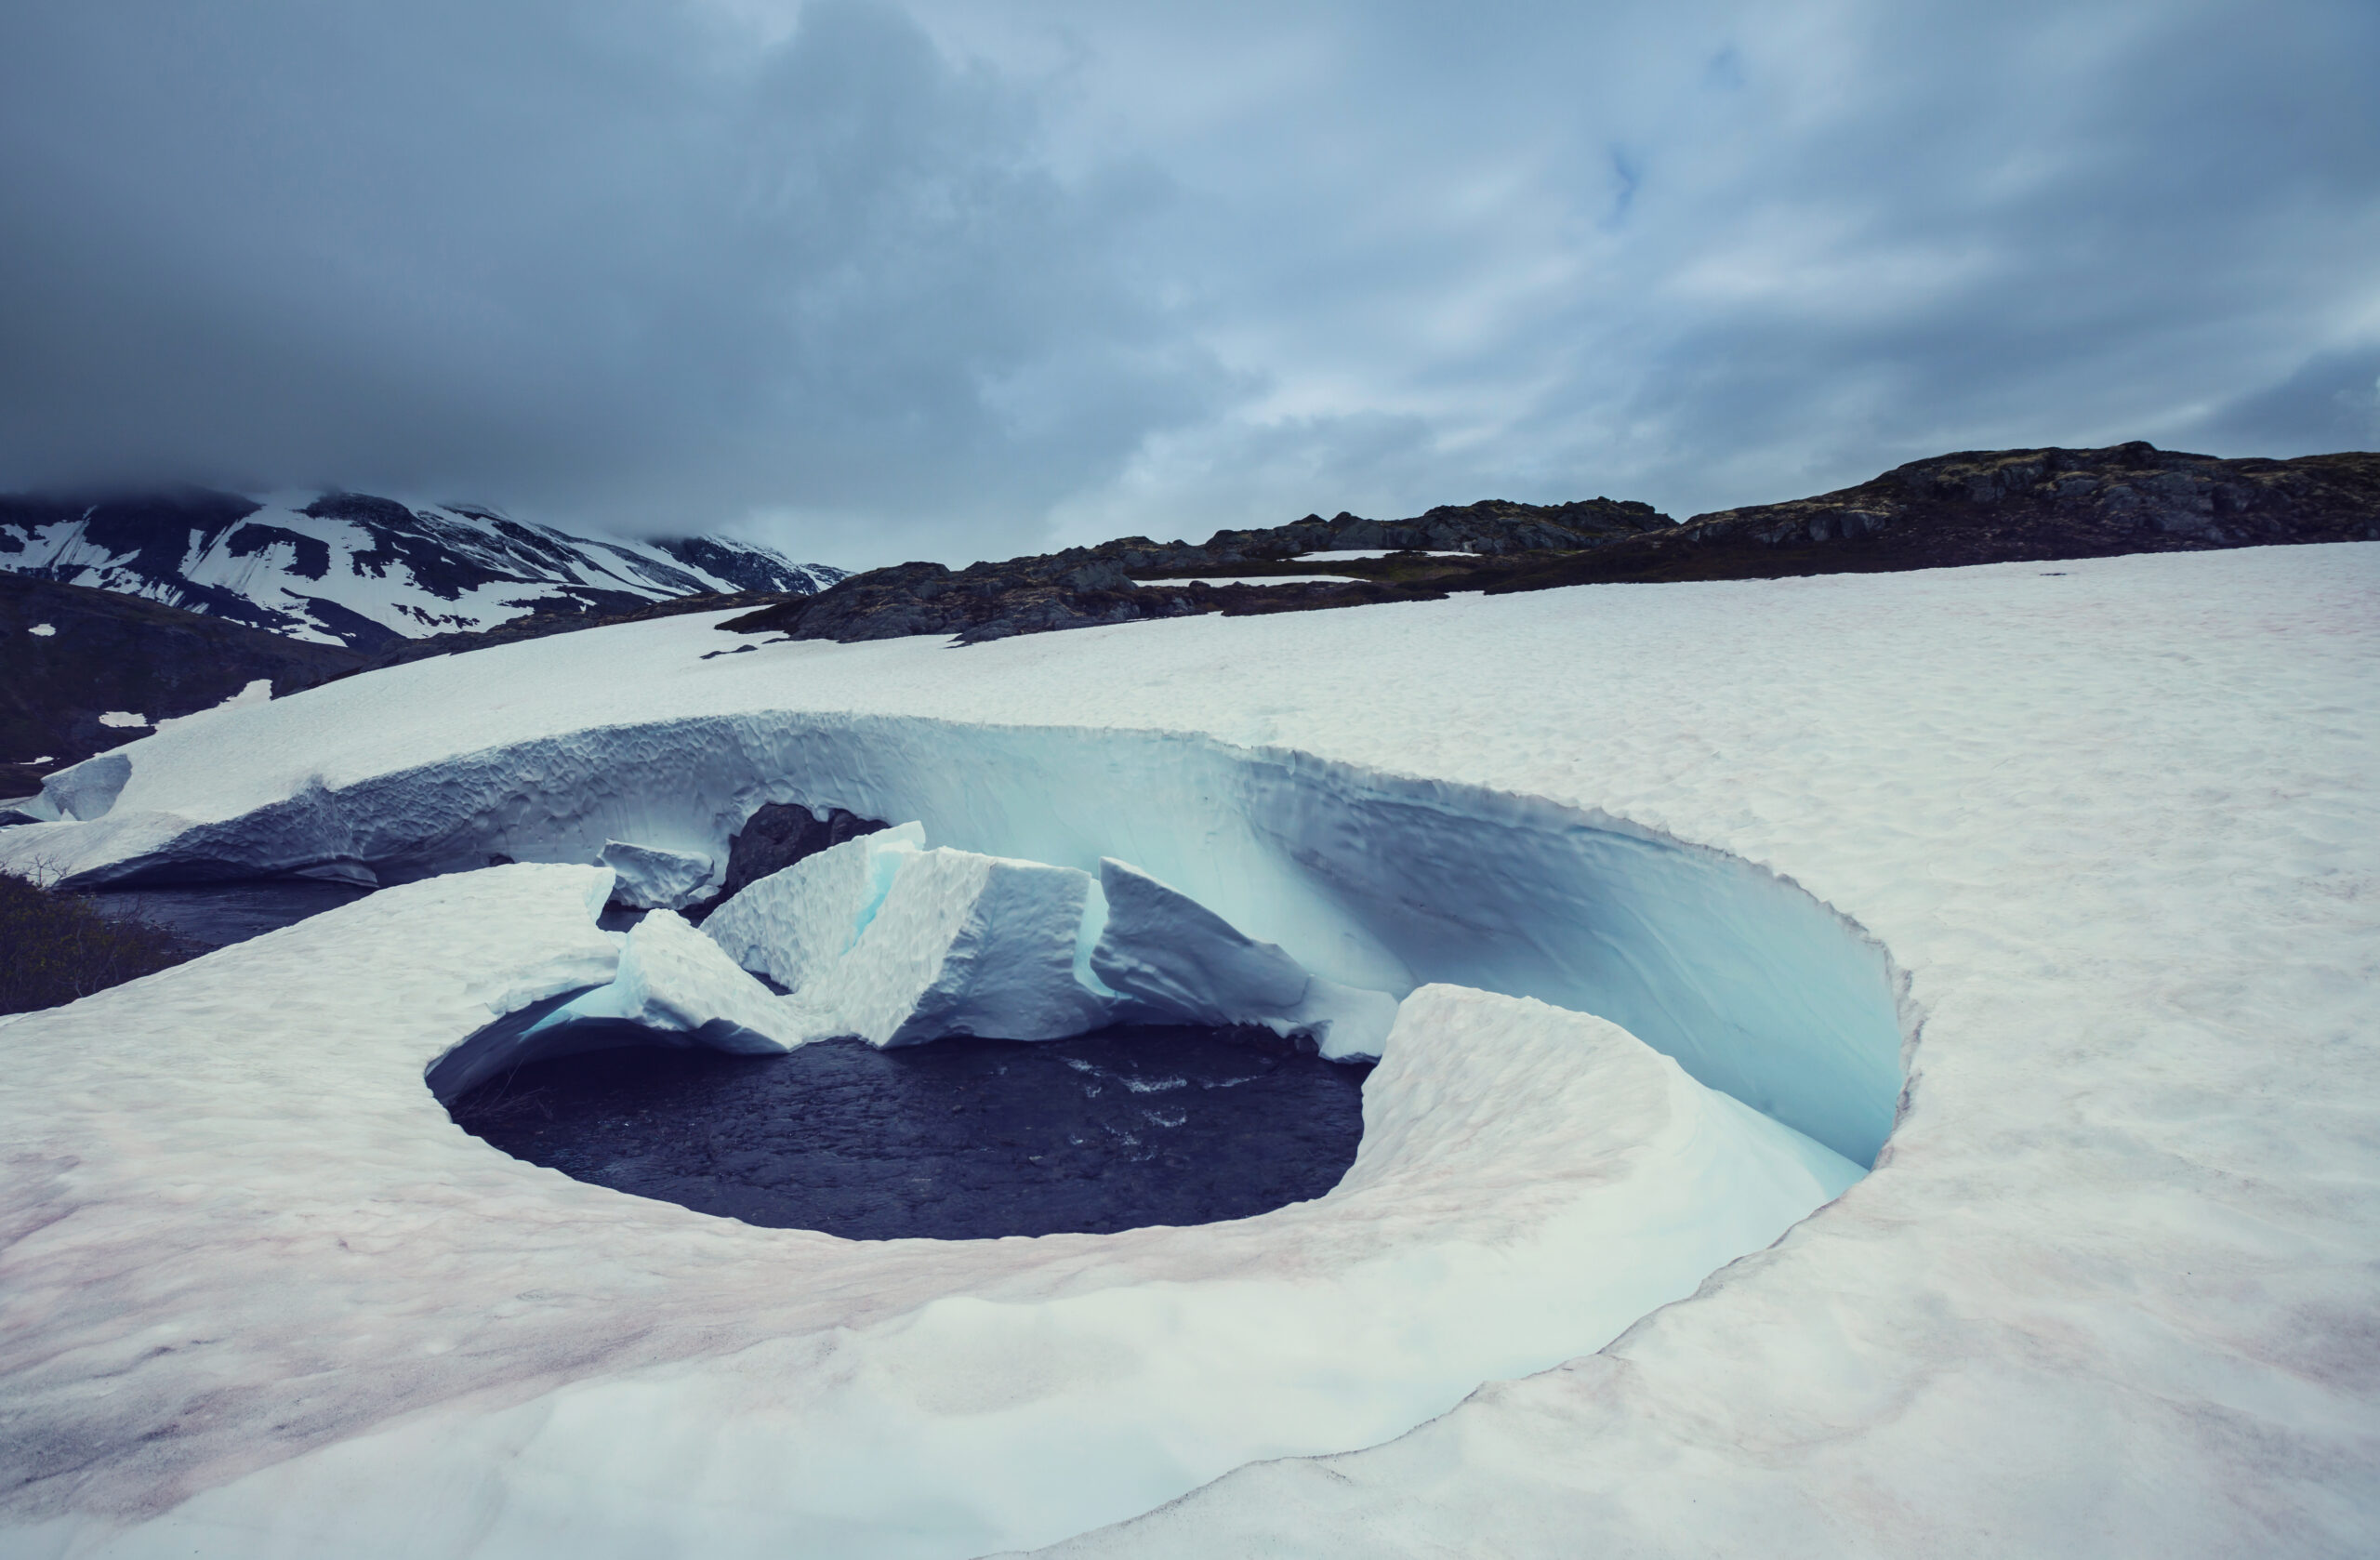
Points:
1127	581
2005	506
1978	506
774	838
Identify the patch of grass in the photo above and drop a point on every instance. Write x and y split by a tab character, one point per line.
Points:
57	946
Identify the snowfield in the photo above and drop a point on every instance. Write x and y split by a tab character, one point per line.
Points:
2062	876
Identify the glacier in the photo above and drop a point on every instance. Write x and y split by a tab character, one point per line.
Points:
2045	894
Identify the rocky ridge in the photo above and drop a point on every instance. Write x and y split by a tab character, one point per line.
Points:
1135	578
2005	506
1975	507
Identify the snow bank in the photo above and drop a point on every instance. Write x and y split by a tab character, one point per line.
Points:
257	691
672	978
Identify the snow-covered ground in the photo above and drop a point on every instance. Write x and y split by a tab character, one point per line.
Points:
1259	579
2095	843
1348	555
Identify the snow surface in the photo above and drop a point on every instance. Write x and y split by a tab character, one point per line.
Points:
43	630
122	717
1257	579
257	691
504	1361
2108	1290
1347	555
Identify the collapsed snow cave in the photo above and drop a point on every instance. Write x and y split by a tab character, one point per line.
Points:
1093	979
878	1039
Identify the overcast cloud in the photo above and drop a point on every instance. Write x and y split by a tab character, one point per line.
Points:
961	280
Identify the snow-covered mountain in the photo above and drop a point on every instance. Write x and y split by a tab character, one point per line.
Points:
347	568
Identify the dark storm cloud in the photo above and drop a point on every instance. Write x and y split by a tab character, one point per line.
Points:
953	279
609	262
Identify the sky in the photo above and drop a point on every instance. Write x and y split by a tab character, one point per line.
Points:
970	278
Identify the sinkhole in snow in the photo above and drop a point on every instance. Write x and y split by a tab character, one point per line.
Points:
1617	1061
1374	880
963	1138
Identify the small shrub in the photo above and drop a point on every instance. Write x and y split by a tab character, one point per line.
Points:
57	946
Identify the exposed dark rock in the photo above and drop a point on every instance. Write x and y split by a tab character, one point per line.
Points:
149	535
1125	581
1492	527
107	651
1973	508
2005	506
774	837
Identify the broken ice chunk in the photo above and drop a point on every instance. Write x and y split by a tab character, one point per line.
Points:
1170	959
671	977
653	878
965	944
793	924
1175	961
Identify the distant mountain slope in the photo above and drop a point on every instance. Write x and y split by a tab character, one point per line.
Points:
74	657
347	568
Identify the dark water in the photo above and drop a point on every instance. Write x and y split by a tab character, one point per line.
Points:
216	915
960	1139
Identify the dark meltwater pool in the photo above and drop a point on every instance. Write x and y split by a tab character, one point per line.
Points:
217	915
962	1139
